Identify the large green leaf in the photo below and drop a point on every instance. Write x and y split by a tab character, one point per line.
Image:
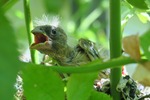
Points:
80	86
41	83
99	96
145	43
138	4
9	62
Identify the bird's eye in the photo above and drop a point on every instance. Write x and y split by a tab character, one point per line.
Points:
54	32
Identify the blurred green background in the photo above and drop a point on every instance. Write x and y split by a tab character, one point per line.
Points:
79	18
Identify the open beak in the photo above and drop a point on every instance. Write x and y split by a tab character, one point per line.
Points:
40	39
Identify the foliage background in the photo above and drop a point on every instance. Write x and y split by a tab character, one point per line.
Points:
86	18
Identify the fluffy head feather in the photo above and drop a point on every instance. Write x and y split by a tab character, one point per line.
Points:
47	20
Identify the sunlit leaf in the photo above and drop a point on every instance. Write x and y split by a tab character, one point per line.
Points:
138	4
80	86
9	63
145	43
99	96
41	83
144	17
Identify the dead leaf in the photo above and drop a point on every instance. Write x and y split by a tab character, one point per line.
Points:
131	46
142	75
146	65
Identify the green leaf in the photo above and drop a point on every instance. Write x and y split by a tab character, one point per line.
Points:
144	17
9	63
99	96
42	83
145	43
80	86
138	4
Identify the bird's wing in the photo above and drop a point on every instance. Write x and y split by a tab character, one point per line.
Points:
89	48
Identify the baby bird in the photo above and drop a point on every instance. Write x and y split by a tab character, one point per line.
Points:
50	39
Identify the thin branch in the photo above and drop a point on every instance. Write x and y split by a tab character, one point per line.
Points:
96	65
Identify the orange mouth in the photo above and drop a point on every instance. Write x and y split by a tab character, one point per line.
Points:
39	38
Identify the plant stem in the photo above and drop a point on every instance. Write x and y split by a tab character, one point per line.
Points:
96	65
29	27
115	45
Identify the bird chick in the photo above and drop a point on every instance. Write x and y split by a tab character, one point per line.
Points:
52	40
